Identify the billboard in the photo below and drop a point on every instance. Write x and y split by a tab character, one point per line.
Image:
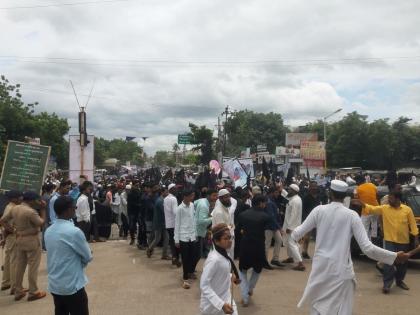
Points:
312	150
24	166
294	139
287	151
75	157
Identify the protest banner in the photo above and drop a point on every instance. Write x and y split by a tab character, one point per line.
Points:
235	172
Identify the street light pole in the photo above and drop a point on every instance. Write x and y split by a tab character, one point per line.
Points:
325	134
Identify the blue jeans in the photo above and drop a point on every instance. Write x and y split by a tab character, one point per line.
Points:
247	285
396	272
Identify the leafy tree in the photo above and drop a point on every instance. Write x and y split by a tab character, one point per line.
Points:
164	158
118	149
315	127
18	120
51	130
249	129
192	159
348	141
202	138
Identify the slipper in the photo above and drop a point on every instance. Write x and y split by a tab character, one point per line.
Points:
20	296
37	296
299	268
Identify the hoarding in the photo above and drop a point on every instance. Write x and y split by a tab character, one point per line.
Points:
294	139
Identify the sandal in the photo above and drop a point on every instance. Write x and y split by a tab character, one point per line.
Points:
37	296
20	296
299	268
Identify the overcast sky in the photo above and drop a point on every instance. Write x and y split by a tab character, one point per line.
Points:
159	64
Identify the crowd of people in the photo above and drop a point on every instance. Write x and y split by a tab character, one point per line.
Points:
218	223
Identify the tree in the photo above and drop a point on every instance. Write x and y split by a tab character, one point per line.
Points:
202	139
348	140
118	149
19	121
249	129
163	158
51	129
315	127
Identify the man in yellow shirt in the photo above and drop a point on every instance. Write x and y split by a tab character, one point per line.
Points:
398	223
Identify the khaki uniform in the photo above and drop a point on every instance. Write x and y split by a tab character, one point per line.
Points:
9	264
28	246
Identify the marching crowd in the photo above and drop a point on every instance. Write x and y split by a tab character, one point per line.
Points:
220	224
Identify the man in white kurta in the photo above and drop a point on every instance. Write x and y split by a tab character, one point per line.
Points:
222	214
331	283
292	219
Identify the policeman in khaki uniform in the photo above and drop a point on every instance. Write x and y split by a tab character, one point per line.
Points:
9	244
28	223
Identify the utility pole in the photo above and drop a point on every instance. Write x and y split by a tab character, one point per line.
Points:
82	127
226	113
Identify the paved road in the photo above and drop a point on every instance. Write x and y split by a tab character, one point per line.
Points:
124	281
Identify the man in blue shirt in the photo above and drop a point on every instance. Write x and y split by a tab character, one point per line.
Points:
62	190
68	253
273	229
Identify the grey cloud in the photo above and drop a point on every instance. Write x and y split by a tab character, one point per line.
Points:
160	99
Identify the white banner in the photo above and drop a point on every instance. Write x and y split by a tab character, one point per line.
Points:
235	172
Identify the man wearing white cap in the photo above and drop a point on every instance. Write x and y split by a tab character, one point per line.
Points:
222	214
331	284
292	219
170	205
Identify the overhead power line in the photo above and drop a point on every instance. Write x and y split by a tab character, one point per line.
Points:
40	6
203	62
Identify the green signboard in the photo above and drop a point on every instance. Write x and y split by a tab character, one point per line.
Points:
24	166
184	139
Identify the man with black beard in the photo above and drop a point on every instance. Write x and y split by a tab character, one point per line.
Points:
221	214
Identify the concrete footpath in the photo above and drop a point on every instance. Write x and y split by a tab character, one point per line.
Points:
122	280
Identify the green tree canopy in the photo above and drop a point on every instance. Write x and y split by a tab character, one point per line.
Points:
248	129
18	120
202	139
119	149
380	144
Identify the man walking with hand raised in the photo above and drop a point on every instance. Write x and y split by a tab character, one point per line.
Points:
331	284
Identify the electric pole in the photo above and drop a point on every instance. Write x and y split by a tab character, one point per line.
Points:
226	113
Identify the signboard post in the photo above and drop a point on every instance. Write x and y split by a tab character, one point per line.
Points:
81	158
24	166
184	139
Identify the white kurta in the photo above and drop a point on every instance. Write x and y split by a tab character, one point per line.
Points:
215	285
221	214
293	214
329	288
170	204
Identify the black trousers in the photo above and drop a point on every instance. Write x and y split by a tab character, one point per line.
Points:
76	304
174	250
94	230
85	227
125	226
189	253
133	218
